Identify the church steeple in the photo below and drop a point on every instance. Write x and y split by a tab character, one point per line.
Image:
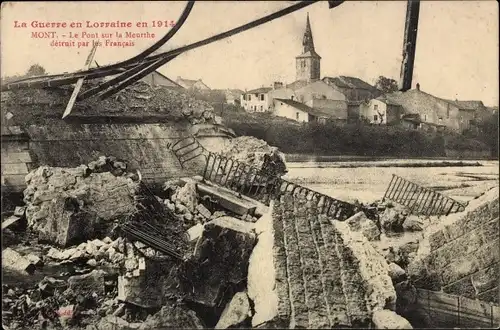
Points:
307	41
308	63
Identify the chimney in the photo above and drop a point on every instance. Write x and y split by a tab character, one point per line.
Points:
277	85
418	86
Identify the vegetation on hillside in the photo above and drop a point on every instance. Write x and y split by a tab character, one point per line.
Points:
349	139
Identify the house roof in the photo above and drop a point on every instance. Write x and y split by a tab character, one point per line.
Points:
305	108
189	82
349	82
297	84
388	100
467	105
259	90
165	77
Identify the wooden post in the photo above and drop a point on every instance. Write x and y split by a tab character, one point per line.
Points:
79	83
409	44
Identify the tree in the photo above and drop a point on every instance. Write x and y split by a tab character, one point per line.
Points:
36	70
386	85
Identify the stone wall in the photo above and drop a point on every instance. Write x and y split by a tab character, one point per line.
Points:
144	146
324	278
464	251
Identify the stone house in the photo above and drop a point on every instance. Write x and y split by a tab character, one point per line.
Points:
431	109
353	88
380	111
469	113
298	111
192	84
256	100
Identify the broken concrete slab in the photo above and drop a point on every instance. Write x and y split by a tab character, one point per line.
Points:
203	211
67	224
359	222
387	319
227	199
194	232
140	291
91	282
235	312
221	259
261	272
14	261
172	317
187	195
10	221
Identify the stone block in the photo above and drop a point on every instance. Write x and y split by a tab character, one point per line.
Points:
491	230
486	279
221	259
462	287
387	319
490	296
91	282
65	225
459	268
359	222
142	290
235	312
14	261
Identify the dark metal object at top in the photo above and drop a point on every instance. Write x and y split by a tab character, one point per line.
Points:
420	200
409	44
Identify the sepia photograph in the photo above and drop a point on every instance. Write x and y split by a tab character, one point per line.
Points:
250	164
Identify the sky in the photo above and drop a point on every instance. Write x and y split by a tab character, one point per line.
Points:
456	55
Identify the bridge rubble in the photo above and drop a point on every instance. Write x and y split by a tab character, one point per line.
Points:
195	249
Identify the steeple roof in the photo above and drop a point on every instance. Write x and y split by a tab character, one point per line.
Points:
308	41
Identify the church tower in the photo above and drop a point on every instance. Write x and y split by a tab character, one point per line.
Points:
308	63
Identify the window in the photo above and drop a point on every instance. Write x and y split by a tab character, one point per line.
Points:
323	97
261	108
303	63
440	120
262	97
291	97
375	117
297	115
425	117
375	107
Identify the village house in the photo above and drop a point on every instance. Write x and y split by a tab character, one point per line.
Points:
469	113
417	109
192	84
298	111
256	100
156	78
233	96
380	111
430	108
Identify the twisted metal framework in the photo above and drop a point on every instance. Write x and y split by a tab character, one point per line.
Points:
420	200
254	183
134	69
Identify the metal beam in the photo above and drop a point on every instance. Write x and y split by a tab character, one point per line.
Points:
409	44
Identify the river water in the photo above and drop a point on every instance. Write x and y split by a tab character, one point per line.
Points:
367	180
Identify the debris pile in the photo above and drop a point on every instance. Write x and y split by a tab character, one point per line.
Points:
256	153
102	277
139	99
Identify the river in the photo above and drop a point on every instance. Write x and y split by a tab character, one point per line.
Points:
366	180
